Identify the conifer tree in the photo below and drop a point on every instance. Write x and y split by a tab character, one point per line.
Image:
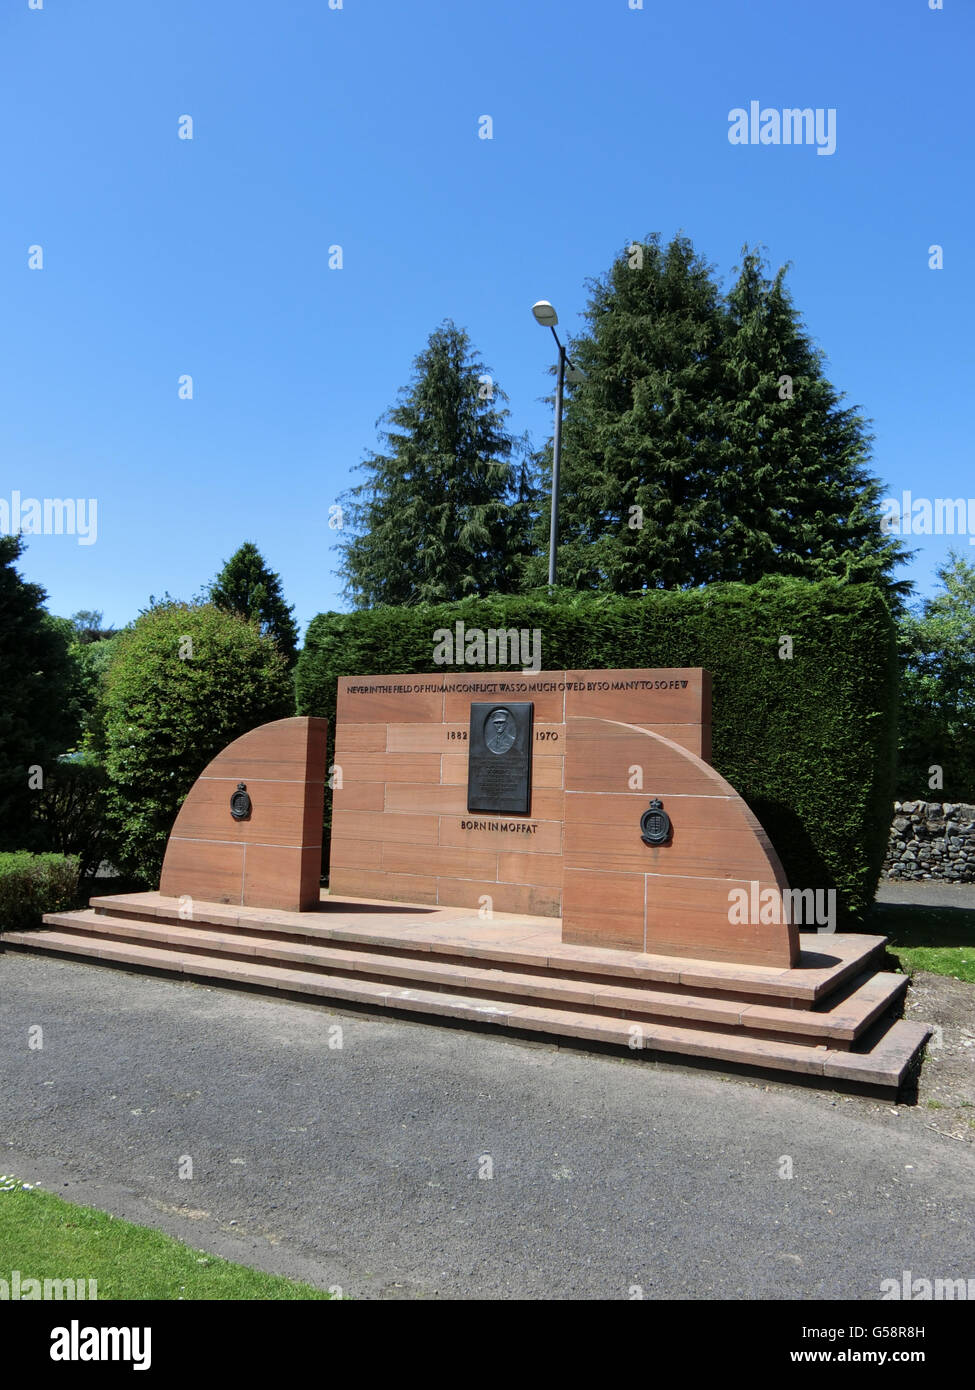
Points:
795	491
707	442
431	522
639	438
248	587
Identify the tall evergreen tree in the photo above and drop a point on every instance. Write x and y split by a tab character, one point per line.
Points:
640	436
431	521
794	487
246	586
39	711
707	442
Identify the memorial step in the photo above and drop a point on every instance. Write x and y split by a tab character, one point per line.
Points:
840	1020
886	1066
349	966
535	944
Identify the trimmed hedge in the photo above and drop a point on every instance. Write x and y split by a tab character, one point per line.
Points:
809	742
32	884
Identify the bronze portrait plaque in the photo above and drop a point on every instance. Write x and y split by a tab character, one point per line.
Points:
499	770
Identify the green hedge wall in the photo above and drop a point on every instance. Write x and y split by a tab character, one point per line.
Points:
809	742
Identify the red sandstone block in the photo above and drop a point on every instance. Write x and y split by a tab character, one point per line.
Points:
390	767
387	700
360	738
600	757
197	869
384	826
498	897
450	863
496	833
426	738
690	916
461	688
603	909
284	750
282	878
542	870
356	883
678	696
360	796
357	854
404	796
734	854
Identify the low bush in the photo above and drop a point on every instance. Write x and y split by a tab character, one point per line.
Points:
32	884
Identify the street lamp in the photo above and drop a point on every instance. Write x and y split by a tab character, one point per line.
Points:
546	316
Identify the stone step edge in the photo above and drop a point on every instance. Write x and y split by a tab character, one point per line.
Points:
844	1026
886	1064
682	971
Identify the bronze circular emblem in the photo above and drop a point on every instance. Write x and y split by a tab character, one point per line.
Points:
655	824
240	802
500	730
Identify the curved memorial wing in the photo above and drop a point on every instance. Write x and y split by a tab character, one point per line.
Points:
250	830
712	888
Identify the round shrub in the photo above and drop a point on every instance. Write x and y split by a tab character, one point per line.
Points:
184	681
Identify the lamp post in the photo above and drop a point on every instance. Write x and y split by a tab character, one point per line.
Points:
546	316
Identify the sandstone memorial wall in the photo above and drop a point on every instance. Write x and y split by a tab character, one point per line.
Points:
603	745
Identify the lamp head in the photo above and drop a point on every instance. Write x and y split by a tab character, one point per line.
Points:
545	314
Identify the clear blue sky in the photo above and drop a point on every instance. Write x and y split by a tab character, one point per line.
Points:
359	127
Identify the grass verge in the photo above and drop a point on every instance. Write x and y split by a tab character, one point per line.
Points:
939	939
45	1237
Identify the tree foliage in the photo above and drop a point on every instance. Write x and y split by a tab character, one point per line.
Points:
186	679
442	512
247	586
707	443
937	644
39	709
70	813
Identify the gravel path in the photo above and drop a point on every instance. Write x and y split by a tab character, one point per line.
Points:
927	894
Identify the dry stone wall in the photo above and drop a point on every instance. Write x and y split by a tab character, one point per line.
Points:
932	840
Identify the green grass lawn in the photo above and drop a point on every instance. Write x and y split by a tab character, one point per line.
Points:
45	1237
939	939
